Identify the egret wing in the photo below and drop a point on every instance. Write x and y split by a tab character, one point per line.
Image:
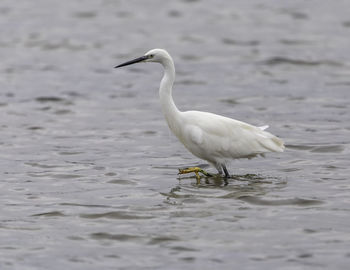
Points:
214	135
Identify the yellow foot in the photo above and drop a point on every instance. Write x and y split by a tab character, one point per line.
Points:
196	170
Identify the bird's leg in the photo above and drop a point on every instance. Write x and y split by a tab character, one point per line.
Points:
196	170
218	167
227	175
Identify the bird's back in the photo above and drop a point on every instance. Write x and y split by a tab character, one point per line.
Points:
218	139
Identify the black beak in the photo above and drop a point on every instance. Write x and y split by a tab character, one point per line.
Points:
140	59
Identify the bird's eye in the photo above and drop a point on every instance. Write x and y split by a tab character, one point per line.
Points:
151	55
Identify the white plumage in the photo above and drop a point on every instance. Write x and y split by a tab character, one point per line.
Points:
214	138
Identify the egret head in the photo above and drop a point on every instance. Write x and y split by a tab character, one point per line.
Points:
155	55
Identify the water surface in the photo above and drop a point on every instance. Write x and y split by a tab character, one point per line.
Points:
89	168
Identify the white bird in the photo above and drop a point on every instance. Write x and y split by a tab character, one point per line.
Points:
214	138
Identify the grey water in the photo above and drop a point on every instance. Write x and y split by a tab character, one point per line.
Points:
89	168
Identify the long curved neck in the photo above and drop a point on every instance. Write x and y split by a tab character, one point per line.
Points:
169	108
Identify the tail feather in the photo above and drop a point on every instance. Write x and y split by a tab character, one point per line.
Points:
279	143
271	142
264	127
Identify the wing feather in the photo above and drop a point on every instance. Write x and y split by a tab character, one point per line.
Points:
208	135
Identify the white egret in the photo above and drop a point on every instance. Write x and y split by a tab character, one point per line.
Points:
214	138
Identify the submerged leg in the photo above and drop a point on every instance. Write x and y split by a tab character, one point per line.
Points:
227	175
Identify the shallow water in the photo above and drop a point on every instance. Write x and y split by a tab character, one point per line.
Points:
89	168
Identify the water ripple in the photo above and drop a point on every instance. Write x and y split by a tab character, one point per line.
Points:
115	215
50	214
115	237
295	201
162	238
86	205
336	148
54	99
278	60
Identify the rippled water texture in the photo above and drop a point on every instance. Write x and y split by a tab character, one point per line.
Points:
89	168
